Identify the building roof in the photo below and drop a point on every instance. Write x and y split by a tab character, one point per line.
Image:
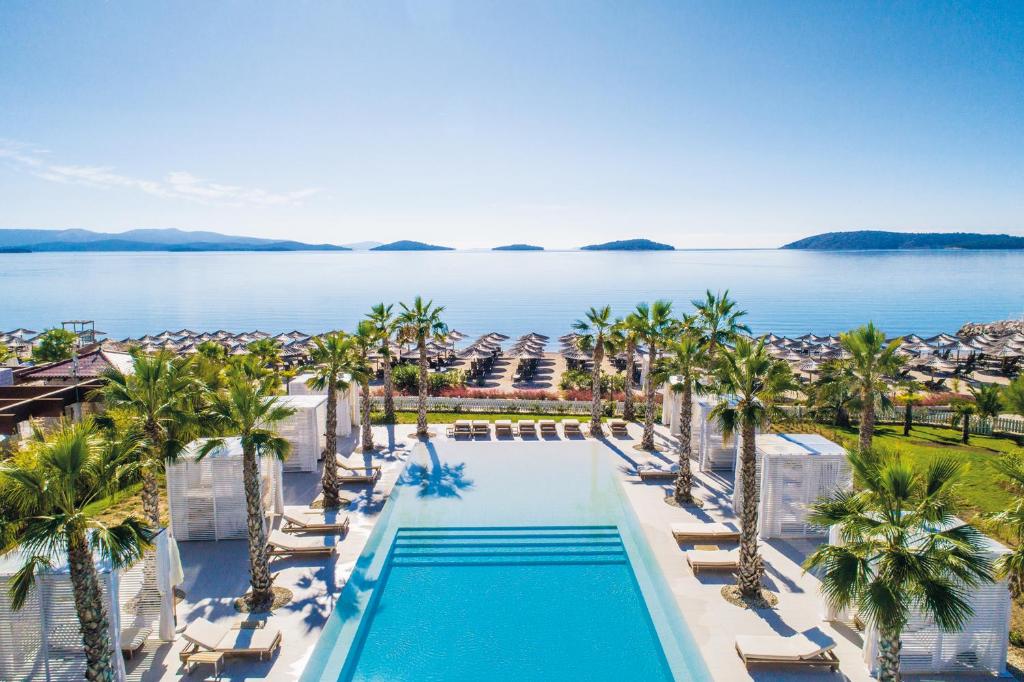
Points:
91	364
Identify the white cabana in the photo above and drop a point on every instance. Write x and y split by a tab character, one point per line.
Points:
793	471
671	401
207	496
348	401
304	430
979	647
42	641
715	450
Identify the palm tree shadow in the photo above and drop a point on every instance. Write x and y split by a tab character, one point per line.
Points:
436	479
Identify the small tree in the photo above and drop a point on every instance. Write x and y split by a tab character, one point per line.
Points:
53	345
872	358
989	400
384	323
911	396
654	325
418	323
1011	565
593	339
331	353
963	410
1013	396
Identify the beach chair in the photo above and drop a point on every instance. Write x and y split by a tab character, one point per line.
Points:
809	648
713	560
548	427
132	640
526	427
652	472
689	532
285	545
481	427
309	520
618	427
503	427
461	427
571	427
247	638
352	471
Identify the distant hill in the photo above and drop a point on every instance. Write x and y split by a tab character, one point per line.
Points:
518	247
362	246
866	240
147	240
629	245
408	245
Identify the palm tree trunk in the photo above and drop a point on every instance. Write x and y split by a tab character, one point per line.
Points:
259	569
148	472
595	387
389	389
751	567
908	418
92	612
628	410
867	420
965	435
330	478
684	479
889	655
421	406
647	442
364	417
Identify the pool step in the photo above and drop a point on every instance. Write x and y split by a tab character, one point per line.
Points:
540	545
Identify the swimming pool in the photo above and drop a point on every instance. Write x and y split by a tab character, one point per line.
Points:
506	561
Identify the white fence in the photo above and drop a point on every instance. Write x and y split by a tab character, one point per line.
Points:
928	416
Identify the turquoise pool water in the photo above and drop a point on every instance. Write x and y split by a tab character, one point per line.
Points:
506	561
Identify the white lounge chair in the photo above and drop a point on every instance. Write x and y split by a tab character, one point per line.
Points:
285	545
808	648
461	427
503	427
481	427
618	427
353	471
654	472
527	427
688	532
713	560
248	638
548	427
132	640
309	520
571	427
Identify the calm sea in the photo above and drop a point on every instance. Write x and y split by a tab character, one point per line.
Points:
789	292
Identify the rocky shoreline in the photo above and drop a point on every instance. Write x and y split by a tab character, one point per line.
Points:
998	328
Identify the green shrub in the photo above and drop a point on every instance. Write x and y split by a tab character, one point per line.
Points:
581	380
406	378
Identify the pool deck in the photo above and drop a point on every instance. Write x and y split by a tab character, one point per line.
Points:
217	572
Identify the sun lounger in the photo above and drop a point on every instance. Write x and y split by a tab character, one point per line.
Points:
481	427
808	648
547	427
132	640
715	560
285	545
526	427
352	471
241	639
704	531
618	427
461	427
651	472
571	427
503	427
308	520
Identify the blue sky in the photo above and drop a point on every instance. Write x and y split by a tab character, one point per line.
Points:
476	123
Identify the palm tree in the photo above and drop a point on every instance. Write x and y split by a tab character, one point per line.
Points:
384	323
653	323
871	359
625	335
719	321
911	395
1011	565
754	382
268	352
1013	396
159	396
989	400
213	351
594	339
363	342
53	487
249	408
331	354
419	322
900	552
834	390
687	359
963	410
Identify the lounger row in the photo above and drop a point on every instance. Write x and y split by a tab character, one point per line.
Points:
472	428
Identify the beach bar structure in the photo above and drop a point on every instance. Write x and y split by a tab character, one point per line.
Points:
43	640
978	648
793	471
206	496
715	450
304	430
348	400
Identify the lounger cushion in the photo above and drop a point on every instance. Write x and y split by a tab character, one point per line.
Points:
306	516
802	646
204	634
703	530
724	558
286	541
249	639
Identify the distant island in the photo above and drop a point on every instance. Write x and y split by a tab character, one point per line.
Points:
629	245
362	246
518	247
24	241
408	245
869	240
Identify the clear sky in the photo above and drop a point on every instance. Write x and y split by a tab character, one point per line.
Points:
702	124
